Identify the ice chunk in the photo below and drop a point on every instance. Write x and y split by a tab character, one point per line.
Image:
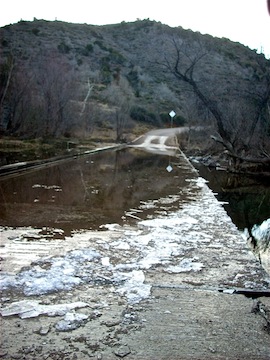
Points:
134	288
32	308
52	274
71	321
186	265
105	261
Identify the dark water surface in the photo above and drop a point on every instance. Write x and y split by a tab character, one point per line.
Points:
101	188
92	190
246	200
122	186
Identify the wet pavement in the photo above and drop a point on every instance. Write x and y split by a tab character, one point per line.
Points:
92	190
152	250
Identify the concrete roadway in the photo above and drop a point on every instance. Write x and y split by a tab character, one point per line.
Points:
160	140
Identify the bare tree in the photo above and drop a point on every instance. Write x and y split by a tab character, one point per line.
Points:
55	80
88	112
235	129
6	74
35	97
182	67
119	94
16	99
90	87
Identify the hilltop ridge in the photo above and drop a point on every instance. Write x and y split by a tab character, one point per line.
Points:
69	79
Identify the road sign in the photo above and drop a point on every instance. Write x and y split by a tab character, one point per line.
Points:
172	115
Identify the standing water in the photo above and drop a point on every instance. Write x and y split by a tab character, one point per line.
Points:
84	193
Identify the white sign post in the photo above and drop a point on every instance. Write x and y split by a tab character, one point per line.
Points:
172	115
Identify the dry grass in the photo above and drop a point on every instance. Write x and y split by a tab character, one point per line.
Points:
8	144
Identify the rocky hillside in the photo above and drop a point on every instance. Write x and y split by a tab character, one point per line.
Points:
68	79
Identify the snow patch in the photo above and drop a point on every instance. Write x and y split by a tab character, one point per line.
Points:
51	274
31	308
186	265
71	321
47	187
134	288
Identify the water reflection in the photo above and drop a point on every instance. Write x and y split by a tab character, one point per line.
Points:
91	190
246	200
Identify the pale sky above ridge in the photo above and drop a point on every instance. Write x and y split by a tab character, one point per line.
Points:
244	21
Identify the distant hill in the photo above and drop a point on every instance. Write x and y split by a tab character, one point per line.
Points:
63	79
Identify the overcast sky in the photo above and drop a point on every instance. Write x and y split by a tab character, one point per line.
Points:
244	21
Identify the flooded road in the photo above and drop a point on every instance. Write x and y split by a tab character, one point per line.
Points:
101	254
93	190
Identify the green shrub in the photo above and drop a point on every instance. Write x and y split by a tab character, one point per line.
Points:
89	48
178	120
79	62
105	70
63	48
141	114
35	31
116	57
4	43
101	45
